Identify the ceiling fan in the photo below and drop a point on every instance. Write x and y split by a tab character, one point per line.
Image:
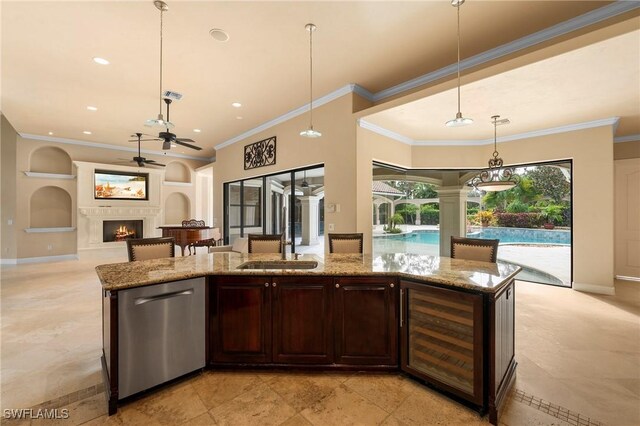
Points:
306	184
140	159
166	137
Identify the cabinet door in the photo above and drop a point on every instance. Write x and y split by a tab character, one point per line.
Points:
302	320
442	332
366	321
502	356
241	319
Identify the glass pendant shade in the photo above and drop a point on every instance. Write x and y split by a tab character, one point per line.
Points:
459	121
310	133
495	186
159	122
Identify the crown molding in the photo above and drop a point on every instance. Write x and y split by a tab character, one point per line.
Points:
628	138
573	24
385	132
612	121
344	90
108	146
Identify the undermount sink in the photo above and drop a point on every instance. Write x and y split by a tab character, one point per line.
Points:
279	264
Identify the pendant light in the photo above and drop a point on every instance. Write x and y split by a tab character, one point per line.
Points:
459	120
310	133
160	121
496	178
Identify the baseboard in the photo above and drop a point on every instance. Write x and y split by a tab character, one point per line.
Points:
45	259
597	289
625	278
7	261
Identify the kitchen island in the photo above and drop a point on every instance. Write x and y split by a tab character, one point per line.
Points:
447	322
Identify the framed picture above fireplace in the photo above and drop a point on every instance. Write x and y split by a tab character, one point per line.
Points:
115	185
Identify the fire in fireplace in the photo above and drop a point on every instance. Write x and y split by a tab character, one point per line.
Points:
120	230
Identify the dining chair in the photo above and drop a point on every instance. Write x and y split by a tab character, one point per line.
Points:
270	243
345	243
480	249
150	248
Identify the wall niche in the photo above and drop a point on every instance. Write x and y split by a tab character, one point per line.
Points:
177	172
50	159
50	207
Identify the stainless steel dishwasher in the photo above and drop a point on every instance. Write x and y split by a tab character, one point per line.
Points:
161	333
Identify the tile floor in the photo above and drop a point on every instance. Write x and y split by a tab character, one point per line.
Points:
578	354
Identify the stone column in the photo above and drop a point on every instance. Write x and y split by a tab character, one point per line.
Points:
418	220
453	216
309	219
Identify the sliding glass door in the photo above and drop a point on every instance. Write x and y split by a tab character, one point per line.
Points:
289	203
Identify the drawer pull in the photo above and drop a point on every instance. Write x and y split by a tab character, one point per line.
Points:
274	284
337	285
266	284
391	285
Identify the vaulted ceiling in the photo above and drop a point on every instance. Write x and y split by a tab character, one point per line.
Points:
49	78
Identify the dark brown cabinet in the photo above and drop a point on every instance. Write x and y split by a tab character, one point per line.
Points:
366	323
241	319
442	335
302	323
502	342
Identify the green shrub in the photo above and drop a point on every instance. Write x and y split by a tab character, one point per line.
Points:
517	206
429	215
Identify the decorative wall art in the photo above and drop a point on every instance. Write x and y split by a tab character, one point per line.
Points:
260	154
121	185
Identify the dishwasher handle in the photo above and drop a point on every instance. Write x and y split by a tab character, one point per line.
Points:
143	300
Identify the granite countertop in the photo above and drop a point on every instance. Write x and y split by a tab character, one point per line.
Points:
479	276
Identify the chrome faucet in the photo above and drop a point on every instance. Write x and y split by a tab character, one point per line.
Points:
283	244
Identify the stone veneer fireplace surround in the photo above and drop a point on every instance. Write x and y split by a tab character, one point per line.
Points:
150	217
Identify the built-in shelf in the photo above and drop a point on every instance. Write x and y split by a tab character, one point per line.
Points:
49	175
56	229
172	183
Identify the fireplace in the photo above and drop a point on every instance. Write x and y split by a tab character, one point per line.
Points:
121	230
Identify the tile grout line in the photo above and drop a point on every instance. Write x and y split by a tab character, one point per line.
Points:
553	410
72	397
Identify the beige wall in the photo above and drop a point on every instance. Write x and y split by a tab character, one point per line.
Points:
592	153
29	245
8	148
626	150
336	149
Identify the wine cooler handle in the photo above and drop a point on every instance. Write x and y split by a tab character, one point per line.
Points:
401	305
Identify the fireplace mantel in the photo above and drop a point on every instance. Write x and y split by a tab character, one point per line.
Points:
120	212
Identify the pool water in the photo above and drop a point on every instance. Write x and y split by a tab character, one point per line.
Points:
505	235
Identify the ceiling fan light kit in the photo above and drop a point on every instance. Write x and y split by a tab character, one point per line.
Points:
310	132
459	121
496	177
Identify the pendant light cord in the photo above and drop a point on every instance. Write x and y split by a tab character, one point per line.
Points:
495	137
311	77
458	7
160	100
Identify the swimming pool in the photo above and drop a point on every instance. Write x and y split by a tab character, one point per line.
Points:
505	235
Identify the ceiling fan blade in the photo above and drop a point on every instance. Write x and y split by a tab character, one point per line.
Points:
185	140
153	163
188	145
142	134
144	140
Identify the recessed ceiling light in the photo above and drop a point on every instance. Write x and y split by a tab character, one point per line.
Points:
86	132
219	35
100	61
92	108
50	133
238	118
197	130
236	104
